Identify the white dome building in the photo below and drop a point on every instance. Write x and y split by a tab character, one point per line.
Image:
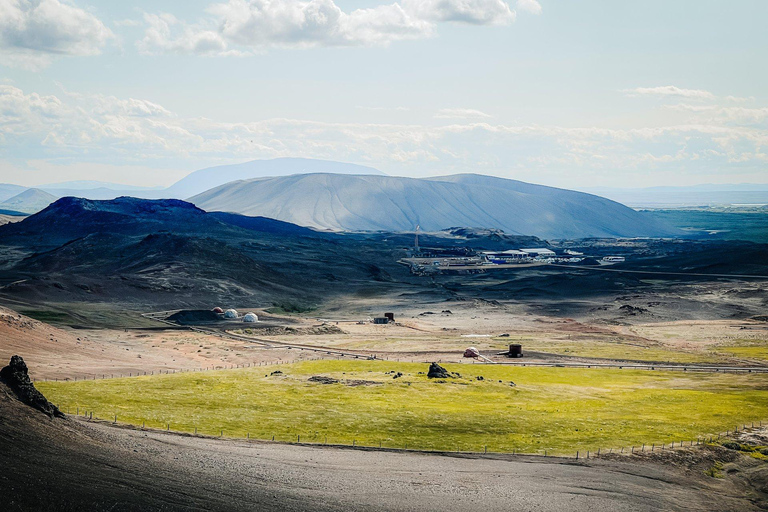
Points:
231	313
250	318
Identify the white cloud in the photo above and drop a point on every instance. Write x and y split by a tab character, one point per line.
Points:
721	114
530	6
166	34
382	109
739	99
460	113
245	26
91	129
477	12
32	32
670	90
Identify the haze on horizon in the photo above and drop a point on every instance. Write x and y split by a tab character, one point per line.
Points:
574	95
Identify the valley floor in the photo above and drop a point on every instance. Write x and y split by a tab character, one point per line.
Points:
71	464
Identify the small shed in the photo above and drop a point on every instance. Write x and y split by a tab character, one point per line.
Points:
250	318
231	313
381	320
390	316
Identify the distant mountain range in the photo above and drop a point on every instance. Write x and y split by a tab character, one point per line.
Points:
338	196
384	203
196	182
692	196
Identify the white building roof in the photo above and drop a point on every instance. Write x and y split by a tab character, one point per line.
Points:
540	250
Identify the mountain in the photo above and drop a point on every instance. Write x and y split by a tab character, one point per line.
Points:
92	185
99	190
681	197
70	218
30	201
195	183
383	203
170	252
7	191
205	179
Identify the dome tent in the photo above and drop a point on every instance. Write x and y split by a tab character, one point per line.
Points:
218	310
250	318
231	313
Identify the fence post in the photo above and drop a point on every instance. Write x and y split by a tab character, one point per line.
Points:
577	454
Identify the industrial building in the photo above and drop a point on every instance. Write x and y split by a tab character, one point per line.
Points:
510	256
539	252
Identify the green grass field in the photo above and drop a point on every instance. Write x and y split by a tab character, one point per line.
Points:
556	409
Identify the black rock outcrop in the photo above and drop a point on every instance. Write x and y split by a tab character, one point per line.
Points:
437	372
16	377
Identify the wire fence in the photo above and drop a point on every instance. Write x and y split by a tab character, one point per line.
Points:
219	367
320	439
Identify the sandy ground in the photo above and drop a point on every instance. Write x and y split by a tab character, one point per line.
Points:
55	353
66	353
90	466
443	334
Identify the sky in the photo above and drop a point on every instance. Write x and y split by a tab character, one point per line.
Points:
569	94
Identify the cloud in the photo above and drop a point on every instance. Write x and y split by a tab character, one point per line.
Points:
460	113
32	32
382	109
670	90
530	6
476	12
723	114
166	34
71	128
239	27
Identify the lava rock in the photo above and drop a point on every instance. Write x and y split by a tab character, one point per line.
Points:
437	372
16	376
323	379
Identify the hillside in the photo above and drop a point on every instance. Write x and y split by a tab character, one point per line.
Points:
382	203
29	201
205	179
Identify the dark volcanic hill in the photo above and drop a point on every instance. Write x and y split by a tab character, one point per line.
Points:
383	203
150	251
70	218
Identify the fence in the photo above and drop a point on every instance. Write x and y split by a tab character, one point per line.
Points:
391	445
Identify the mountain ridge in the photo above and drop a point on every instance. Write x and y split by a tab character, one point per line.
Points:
384	203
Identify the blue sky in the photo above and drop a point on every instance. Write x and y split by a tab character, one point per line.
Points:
571	94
